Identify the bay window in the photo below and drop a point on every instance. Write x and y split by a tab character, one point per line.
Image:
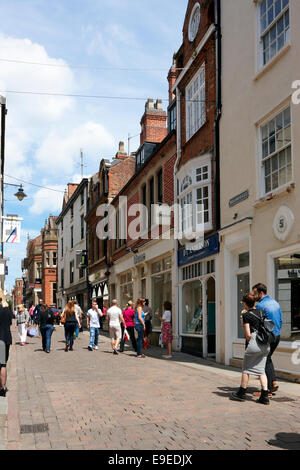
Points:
195	198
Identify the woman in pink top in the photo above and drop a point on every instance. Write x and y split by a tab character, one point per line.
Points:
128	315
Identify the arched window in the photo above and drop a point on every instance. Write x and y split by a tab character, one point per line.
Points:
186	182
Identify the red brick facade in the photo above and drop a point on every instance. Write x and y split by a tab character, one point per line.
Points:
17	292
41	264
202	142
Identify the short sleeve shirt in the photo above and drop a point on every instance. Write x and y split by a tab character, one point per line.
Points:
167	316
94	318
250	317
114	316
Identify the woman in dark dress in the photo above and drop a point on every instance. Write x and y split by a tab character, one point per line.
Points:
256	353
5	343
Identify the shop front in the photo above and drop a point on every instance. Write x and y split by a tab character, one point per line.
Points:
198	309
146	275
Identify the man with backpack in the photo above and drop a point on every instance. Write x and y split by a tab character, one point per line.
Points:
272	311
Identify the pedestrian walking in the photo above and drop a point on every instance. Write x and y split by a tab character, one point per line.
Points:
114	318
256	353
128	315
5	343
79	312
104	314
22	320
93	324
70	319
31	310
167	335
148	319
272	311
139	323
47	319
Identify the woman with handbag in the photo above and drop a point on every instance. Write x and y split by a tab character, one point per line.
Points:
167	335
22	319
70	320
256	353
140	325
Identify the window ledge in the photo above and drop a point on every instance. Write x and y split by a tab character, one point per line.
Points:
272	62
278	193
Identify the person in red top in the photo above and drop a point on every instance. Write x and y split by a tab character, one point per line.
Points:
128	315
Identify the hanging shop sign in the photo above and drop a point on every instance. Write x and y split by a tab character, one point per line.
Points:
11	231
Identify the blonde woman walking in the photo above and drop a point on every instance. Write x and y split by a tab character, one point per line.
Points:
22	320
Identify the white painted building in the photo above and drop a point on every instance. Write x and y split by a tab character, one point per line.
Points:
72	283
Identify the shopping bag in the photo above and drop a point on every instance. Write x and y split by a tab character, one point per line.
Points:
126	335
146	343
31	332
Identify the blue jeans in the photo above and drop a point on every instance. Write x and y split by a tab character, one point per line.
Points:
94	335
70	327
140	330
46	332
77	331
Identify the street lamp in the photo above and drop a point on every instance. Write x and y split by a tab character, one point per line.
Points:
20	194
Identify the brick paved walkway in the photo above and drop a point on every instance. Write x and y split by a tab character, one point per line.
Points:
94	400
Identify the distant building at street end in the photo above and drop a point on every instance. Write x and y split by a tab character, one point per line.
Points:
41	266
17	292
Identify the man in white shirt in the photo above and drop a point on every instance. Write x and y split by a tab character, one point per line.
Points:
115	317
93	324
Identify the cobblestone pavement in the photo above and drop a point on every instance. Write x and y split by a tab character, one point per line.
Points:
94	400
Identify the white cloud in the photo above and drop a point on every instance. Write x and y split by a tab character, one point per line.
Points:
63	151
109	42
47	201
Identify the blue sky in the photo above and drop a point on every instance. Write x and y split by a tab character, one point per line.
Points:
45	134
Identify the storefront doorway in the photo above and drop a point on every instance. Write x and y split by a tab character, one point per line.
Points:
211	317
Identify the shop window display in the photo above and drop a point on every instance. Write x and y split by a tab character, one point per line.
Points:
192	308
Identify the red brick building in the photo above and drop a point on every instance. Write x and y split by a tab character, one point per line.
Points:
41	266
33	266
104	186
17	293
143	266
197	178
49	260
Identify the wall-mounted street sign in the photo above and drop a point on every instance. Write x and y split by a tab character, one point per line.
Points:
11	230
239	198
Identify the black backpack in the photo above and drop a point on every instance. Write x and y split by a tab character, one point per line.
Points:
265	333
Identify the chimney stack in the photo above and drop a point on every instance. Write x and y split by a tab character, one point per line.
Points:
153	122
121	155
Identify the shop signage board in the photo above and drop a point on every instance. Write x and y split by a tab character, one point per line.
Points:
211	246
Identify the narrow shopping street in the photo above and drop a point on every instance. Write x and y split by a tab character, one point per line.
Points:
94	400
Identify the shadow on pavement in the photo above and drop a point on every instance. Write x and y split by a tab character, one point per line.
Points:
287	441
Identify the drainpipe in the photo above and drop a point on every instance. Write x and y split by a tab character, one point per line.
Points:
177	296
218	110
218	43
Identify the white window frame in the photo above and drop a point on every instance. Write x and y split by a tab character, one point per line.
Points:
190	105
262	160
191	171
262	34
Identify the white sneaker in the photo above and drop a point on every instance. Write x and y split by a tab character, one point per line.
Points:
96	347
167	357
